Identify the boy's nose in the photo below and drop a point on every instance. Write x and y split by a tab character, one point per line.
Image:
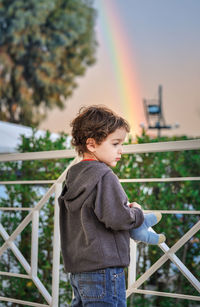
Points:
120	150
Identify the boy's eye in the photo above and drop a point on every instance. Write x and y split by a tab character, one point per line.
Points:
115	144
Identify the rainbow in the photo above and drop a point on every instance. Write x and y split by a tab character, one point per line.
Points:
121	58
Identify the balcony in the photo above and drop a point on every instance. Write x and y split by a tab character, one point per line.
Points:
135	283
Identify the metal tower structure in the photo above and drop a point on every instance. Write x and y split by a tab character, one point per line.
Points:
154	113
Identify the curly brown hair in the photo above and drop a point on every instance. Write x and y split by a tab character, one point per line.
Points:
95	122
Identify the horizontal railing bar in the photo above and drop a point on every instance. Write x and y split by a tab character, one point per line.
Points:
127	149
12	300
171	179
15	275
27	182
15	209
145	211
174	295
174	211
39	155
162	146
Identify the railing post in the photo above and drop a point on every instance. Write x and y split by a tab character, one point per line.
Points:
56	249
132	266
34	243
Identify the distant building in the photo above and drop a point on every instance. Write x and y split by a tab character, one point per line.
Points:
10	136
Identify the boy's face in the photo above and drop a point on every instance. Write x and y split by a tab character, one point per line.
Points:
110	150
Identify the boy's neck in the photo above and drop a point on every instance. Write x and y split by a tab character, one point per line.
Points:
89	156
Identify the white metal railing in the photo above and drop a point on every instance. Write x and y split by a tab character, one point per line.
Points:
133	284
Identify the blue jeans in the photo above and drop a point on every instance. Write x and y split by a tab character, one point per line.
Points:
142	233
104	287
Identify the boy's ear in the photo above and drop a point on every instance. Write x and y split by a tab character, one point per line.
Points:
91	144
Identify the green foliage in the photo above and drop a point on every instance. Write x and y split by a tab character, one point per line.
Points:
152	196
44	45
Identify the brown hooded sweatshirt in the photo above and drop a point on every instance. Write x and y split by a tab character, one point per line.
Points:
95	219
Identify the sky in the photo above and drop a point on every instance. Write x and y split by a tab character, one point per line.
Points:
142	44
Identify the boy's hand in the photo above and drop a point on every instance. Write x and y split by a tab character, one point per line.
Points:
136	205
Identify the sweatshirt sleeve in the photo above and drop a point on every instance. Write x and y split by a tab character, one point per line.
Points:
111	205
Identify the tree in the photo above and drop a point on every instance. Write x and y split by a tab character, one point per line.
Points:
44	45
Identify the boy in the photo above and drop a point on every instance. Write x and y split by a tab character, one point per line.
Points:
94	216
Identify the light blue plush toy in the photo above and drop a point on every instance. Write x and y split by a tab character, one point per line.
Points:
143	234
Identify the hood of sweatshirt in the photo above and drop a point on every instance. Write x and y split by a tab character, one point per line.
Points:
80	181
